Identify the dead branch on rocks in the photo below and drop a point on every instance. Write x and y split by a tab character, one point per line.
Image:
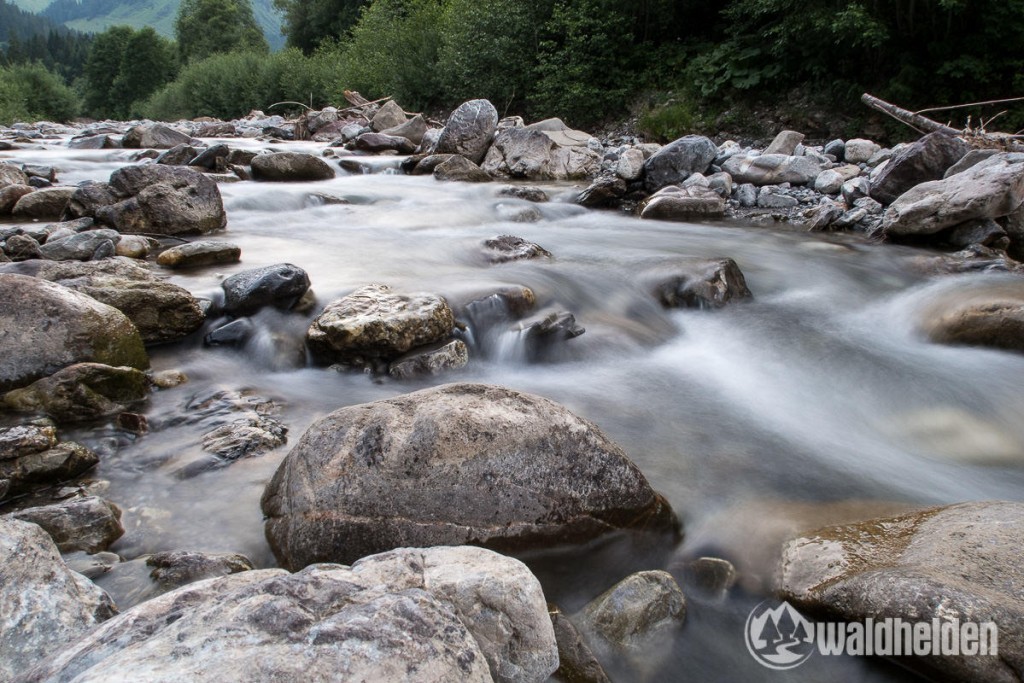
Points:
977	137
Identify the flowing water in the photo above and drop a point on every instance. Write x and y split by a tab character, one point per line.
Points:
819	390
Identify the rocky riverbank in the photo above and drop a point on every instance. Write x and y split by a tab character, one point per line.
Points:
409	509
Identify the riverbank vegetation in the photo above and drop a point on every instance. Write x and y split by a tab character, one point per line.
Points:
677	66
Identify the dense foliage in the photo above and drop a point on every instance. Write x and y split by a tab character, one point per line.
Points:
125	66
29	39
309	22
209	27
30	92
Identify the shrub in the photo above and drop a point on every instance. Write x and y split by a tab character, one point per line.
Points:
28	92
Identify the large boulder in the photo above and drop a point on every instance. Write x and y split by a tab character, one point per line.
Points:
959	562
280	285
44	606
992	188
469	130
376	323
772	169
989	315
290	167
412	130
388	116
77	329
677	161
527	474
160	310
435	615
47	203
152	199
927	159
551	152
153	136
83	391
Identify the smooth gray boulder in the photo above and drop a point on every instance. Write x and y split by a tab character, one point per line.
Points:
375	322
153	136
772	169
469	130
678	160
160	310
280	285
290	167
79	329
44	606
926	159
958	562
992	188
89	524
527	474
434	615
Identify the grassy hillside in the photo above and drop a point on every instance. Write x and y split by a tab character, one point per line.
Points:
159	14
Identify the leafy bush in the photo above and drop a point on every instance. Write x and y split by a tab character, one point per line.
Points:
28	92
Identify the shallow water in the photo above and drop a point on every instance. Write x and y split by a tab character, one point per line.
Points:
820	389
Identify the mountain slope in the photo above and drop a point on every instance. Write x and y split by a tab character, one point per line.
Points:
96	15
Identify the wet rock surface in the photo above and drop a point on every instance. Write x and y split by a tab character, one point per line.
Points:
529	473
89	524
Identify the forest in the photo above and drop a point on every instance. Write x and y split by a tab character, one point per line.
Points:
677	65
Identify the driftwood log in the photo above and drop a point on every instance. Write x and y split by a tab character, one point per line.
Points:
978	137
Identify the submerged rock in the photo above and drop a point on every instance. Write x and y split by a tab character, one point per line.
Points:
435	615
505	248
83	391
527	474
376	323
954	563
79	329
44	606
290	167
637	612
990	316
703	283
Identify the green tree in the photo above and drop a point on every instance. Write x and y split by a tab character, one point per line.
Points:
28	92
101	69
148	62
307	23
489	48
207	27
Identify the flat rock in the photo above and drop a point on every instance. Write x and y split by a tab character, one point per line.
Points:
772	169
290	167
957	562
199	254
527	472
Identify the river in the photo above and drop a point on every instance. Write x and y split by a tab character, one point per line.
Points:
819	390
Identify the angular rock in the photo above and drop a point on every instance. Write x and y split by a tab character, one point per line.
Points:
527	472
44	606
677	161
83	391
505	248
991	189
11	175
542	334
576	661
412	130
93	142
89	524
245	438
459	168
772	197
25	440
533	154
79	329
21	248
643	607
927	159
972	158
469	130
772	169
604	191
958	562
290	167
200	253
673	203
217	129
179	155
388	116
62	462
785	143
154	136
703	283
280	285
376	323
430	362
91	245
46	203
179	568
435	615
211	158
235	333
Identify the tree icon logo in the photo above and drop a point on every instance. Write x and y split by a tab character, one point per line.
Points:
779	637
